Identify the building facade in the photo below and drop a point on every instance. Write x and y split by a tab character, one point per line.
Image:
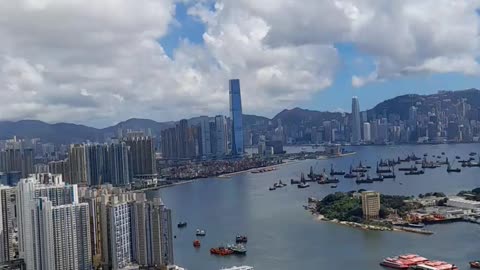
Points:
356	132
236	116
370	204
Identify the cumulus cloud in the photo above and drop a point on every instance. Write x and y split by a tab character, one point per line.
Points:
98	62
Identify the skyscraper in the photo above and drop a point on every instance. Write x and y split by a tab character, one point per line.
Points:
367	137
221	135
7	223
237	117
205	136
96	158
356	131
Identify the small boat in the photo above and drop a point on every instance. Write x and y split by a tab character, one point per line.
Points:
475	264
450	169
196	243
472	154
303	185
272	188
222	251
200	232
379	178
391	176
241	239
333	186
294	182
415	172
408	169
443	153
457	157
182	224
238	249
333	172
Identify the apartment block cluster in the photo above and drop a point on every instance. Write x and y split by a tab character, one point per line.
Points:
207	137
49	224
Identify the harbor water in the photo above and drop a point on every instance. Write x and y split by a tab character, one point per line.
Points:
283	236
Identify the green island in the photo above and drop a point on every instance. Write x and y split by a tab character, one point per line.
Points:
343	206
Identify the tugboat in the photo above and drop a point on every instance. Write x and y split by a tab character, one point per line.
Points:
475	264
241	239
200	232
196	243
182	224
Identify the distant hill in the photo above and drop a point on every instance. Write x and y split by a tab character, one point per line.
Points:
138	124
401	104
298	116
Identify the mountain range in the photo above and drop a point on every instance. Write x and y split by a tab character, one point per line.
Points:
64	133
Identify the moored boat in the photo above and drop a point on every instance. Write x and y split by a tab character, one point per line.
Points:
403	261
222	251
238	249
303	185
244	267
196	243
199	232
182	224
241	239
475	264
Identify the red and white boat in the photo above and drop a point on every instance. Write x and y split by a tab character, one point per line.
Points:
435	265
403	261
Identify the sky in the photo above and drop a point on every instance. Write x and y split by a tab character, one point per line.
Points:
98	62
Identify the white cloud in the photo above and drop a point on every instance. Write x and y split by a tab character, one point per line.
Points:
99	61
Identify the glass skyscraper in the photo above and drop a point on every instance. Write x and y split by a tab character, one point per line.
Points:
356	131
236	116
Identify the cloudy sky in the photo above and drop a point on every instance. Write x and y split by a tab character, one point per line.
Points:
97	62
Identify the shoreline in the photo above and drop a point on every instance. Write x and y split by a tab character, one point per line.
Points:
228	175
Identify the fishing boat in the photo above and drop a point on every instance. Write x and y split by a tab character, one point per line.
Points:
182	224
199	232
241	239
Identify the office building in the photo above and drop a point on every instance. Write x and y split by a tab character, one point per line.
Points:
236	117
370	204
142	156
367	137
152	240
356	132
221	135
77	164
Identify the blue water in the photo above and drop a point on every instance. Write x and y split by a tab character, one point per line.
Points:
283	236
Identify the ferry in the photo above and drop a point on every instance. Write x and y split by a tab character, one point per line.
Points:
244	267
403	261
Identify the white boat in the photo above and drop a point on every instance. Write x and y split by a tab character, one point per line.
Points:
239	268
200	232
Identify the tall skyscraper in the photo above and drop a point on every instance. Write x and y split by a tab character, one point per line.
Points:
77	164
367	137
356	131
205	136
237	117
412	116
142	156
221	135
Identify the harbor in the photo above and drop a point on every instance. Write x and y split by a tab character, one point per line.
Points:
208	204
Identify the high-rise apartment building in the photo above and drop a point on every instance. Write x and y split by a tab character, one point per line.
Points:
370	204
221	135
96	159
53	226
77	164
117	164
152	240
236	117
7	223
116	232
356	131
142	156
206	149
60	167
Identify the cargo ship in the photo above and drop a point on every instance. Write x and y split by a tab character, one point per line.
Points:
403	261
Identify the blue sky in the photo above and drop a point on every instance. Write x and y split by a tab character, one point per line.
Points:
352	62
